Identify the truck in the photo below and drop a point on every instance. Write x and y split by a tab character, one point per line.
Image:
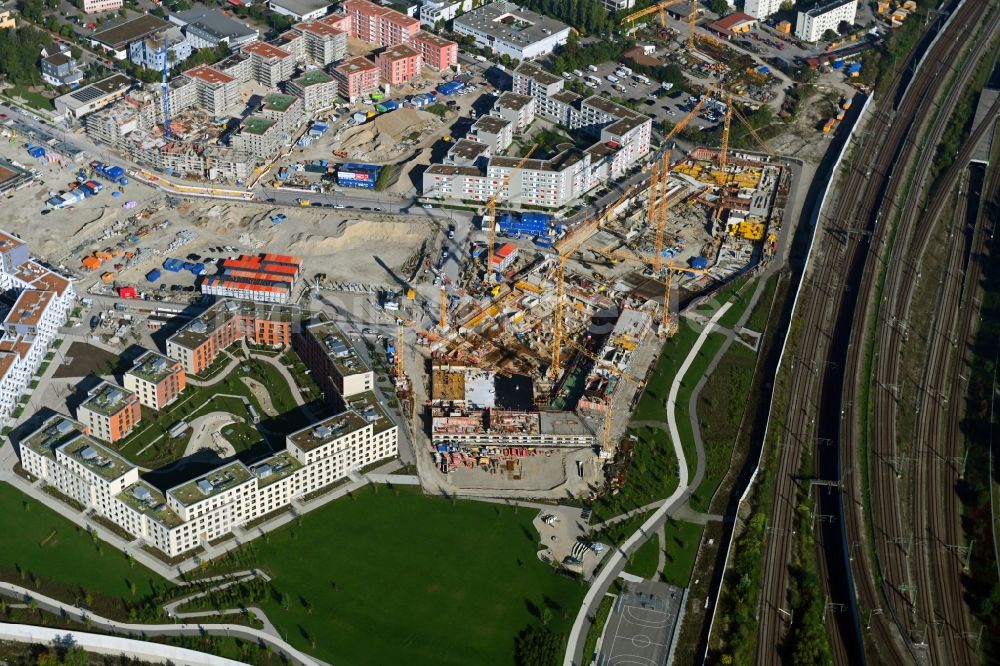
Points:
641	78
612	78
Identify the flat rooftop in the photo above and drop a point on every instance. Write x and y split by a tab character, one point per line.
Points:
256	125
312	78
537	73
95	457
216	23
505	22
355	65
491	124
266	51
319	28
467	149
208	75
121	35
108	399
338	348
215	482
9	242
275	468
278	102
399	51
431	38
29	307
563	160
146	499
367	406
513	101
301	7
451	170
53	433
327	430
152	367
195	332
87	94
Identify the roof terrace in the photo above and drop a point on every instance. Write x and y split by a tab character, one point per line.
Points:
55	432
275	468
370	409
327	430
152	367
215	482
338	349
108	399
95	457
146	499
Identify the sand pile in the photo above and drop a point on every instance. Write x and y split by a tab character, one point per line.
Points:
359	235
403	122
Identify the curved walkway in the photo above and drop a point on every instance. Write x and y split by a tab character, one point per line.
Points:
144	630
615	564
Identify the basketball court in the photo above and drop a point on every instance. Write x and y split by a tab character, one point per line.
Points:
641	625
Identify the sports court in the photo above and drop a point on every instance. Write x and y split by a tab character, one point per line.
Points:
641	625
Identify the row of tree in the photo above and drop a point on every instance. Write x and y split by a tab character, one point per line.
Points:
589	17
19	54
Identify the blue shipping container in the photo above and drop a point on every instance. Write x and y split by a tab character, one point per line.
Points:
198	269
449	88
173	265
153	275
390	105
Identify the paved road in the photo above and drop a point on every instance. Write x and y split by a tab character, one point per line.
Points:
51	605
615	564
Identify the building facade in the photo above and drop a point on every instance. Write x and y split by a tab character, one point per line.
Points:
399	64
810	25
110	412
62	454
433	11
356	78
762	9
61	69
155	379
323	44
201	340
333	363
98	6
316	88
149	52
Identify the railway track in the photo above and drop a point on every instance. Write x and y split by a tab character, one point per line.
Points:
815	408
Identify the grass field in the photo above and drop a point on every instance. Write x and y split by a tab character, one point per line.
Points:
654	396
681	546
644	561
37	100
63	556
387	579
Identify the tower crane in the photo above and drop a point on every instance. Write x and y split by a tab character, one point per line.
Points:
724	150
659	8
491	212
443	311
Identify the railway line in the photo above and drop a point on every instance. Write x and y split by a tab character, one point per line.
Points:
817	384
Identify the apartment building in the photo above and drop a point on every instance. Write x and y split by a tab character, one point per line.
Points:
334	364
507	29
432	11
399	64
437	52
63	455
200	341
300	10
518	109
761	9
810	25
30	327
155	379
494	131
149	52
110	412
316	88
260	136
98	6
285	110
323	44
379	25
214	91
269	64
356	78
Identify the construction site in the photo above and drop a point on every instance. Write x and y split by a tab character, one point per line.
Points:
533	391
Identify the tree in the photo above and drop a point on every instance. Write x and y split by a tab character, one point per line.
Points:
788	5
830	36
538	646
720	7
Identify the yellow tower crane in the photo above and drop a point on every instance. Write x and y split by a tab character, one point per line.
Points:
659	8
491	212
400	372
724	150
443	311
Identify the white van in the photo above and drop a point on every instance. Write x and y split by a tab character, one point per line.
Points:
592	68
577	73
612	78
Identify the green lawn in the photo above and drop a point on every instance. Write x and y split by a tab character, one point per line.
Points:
762	310
675	349
64	557
644	560
391	579
681	546
36	100
720	413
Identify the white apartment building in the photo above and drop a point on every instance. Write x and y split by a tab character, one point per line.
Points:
761	9
622	140
810	25
98	6
30	327
432	11
62	454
